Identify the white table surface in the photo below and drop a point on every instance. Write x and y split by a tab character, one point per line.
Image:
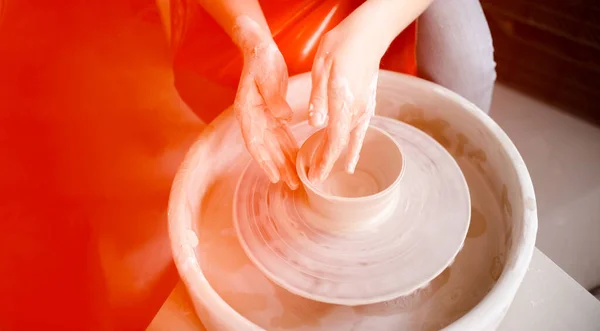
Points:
547	300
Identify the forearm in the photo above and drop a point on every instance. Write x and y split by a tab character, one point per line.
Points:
242	20
381	21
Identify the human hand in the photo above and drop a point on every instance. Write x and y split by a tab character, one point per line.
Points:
261	109
344	77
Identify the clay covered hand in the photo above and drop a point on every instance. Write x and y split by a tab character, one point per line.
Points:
261	108
344	77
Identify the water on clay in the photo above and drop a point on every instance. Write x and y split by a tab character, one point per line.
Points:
340	183
448	297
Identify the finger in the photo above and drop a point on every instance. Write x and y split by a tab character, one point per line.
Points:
338	129
282	163
288	143
261	155
289	146
361	126
291	175
317	105
337	139
372	99
316	159
280	109
275	101
357	138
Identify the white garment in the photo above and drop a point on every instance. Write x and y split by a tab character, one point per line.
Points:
455	49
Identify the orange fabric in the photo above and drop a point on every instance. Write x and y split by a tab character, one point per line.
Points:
91	133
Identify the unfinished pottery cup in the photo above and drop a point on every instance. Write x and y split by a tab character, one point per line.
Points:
353	201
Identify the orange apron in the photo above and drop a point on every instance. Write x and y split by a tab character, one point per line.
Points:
92	131
205	54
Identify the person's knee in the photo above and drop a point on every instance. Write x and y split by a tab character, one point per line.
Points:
455	49
476	75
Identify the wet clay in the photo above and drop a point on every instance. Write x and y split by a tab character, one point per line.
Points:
355	251
451	294
472	294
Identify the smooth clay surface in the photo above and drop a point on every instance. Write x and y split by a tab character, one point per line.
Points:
355	201
414	224
377	171
474	293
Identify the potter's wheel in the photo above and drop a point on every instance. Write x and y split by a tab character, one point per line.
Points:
387	242
230	293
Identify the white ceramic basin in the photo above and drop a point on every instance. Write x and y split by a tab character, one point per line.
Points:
473	294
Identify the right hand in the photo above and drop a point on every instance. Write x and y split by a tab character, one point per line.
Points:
262	111
344	77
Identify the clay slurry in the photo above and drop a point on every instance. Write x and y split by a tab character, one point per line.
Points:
291	244
342	184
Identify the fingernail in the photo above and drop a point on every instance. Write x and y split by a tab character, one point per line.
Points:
351	163
293	185
272	173
323	175
316	118
351	167
312	176
292	179
273	177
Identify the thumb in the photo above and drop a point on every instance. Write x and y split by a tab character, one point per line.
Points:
275	101
279	108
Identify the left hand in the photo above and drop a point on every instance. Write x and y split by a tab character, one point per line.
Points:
261	108
344	77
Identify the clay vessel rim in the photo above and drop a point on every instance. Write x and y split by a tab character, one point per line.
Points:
334	198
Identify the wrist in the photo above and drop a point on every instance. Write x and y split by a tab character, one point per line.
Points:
373	45
249	35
